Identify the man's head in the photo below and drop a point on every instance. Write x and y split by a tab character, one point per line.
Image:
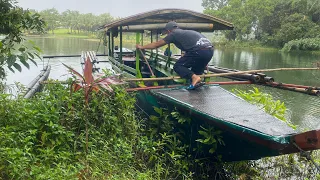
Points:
169	27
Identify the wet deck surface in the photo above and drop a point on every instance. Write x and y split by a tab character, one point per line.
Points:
223	105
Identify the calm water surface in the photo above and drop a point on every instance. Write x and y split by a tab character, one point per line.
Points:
303	110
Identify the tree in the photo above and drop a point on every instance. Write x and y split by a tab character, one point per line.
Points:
103	19
214	4
236	13
75	20
265	18
87	21
66	17
297	26
13	49
52	17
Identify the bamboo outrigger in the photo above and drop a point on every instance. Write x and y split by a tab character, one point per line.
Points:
35	85
248	132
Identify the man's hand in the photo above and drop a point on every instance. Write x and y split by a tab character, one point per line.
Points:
138	46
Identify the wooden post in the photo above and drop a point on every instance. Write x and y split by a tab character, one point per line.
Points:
120	55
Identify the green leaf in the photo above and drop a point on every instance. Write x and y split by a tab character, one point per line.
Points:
207	140
11	60
37	48
31	55
153	118
212	150
32	42
205	134
22	58
33	62
11	69
25	63
200	140
38	56
22	49
18	67
158	110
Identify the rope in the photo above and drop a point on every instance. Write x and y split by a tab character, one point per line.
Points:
308	156
99	45
142	110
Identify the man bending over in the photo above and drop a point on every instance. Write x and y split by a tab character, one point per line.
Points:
198	52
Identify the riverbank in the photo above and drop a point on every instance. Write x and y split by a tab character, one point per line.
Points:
253	44
244	44
256	45
66	33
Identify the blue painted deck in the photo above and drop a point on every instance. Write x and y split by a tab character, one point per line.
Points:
223	105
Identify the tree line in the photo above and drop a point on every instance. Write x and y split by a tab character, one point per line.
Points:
72	20
272	22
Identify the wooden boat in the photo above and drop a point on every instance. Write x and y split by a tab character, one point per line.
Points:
248	132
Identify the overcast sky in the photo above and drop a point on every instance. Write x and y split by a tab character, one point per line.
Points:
117	8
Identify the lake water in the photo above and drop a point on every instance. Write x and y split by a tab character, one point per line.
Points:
303	110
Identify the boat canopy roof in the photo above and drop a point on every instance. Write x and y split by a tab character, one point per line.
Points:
155	21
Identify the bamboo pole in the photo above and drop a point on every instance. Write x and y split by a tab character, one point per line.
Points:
53	82
219	75
152	74
274	84
174	86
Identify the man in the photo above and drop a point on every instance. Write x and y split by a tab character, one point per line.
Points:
198	52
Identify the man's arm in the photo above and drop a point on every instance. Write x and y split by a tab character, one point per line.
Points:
153	45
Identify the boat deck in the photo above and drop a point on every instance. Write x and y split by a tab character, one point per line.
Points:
221	105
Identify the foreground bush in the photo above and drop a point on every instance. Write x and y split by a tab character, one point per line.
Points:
45	137
60	135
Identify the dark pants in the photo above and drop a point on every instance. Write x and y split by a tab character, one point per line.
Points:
196	60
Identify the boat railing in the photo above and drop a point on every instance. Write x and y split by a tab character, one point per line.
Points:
161	58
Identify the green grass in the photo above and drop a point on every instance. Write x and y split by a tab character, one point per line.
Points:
76	34
243	45
67	33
